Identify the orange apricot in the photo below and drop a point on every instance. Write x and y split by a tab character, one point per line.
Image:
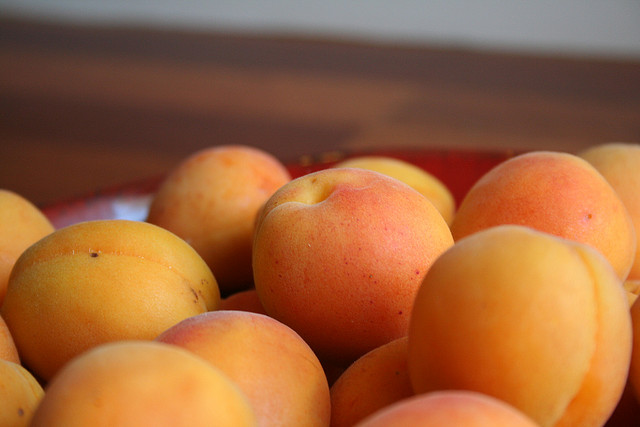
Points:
558	193
634	370
8	350
538	321
246	300
277	371
211	200
375	380
448	408
139	383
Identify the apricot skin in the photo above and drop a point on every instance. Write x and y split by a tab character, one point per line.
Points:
8	350
277	371
448	408
374	381
140	383
246	300
101	281
634	371
211	200
20	394
21	225
619	163
425	183
554	192
339	255
535	320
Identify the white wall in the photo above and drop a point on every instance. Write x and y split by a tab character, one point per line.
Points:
583	27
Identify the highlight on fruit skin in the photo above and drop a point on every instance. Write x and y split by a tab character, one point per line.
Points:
530	318
101	281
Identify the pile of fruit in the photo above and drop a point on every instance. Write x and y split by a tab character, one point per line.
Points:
361	295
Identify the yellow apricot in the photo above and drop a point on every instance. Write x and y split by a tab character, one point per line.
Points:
421	180
100	281
21	224
20	394
619	163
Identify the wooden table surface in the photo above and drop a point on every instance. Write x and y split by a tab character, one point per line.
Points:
83	108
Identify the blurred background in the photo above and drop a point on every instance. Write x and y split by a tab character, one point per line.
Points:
582	27
97	93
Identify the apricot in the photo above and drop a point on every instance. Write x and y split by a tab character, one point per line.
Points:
619	163
632	286
374	381
634	370
277	371
424	182
538	321
339	255
21	225
8	350
141	383
448	408
558	193
211	200
246	300
100	281
20	394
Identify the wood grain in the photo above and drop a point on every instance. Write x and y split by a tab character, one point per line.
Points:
83	108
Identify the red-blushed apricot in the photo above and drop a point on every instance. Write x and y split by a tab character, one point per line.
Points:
20	394
141	383
375	380
538	321
21	225
100	281
8	350
448	408
558	193
246	300
619	163
277	371
211	200
424	182
339	255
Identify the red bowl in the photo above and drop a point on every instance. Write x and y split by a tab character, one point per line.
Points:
458	169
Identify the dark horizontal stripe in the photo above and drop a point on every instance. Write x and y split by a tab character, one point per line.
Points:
494	71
